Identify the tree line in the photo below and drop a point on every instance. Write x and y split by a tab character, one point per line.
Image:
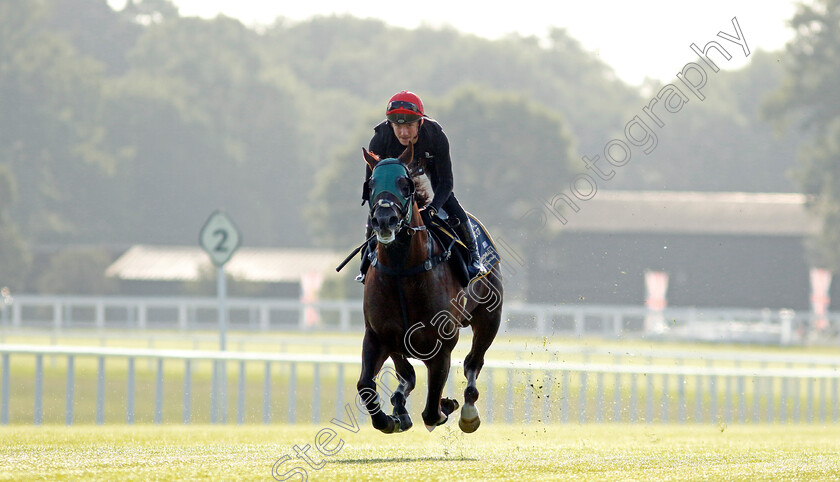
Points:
131	126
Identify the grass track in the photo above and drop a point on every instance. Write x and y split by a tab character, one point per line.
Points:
500	452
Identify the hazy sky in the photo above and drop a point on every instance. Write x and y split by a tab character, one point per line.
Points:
637	38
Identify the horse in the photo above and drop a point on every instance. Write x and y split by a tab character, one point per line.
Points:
414	305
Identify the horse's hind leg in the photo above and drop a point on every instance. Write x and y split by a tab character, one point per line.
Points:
407	380
373	357
483	335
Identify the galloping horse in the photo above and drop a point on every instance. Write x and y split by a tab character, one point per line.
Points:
414	305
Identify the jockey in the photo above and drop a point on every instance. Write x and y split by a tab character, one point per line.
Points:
407	123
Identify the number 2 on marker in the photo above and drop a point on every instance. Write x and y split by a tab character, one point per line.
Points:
223	235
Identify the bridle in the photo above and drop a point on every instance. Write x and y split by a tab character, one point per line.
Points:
383	182
395	171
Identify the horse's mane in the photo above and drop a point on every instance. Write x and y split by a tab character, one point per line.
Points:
423	186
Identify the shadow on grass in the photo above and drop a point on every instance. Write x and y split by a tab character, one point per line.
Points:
405	459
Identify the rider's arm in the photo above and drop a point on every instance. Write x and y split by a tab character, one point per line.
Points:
443	172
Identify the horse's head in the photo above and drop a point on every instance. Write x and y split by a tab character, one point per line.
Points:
392	193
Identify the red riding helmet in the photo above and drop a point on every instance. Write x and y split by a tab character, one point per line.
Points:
404	108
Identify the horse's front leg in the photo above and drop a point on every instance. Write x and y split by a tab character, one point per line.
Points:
407	381
373	357
437	410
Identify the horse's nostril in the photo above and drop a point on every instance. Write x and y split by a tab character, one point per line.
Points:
392	221
374	223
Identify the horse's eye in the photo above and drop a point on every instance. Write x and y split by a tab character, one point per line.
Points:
405	186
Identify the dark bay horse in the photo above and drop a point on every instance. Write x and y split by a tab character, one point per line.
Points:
414	305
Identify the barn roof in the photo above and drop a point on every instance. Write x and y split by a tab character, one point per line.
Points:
188	263
779	214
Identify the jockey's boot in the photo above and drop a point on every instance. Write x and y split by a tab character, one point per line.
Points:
370	245
474	266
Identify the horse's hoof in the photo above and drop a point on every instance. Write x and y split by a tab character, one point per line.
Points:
405	422
469	421
392	425
443	420
448	405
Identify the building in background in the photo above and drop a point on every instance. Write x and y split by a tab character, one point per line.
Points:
717	250
284	273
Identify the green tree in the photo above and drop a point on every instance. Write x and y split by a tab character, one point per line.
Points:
209	125
50	135
808	97
721	143
373	60
78	271
96	30
15	258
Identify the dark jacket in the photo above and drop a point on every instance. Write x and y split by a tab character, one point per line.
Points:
432	145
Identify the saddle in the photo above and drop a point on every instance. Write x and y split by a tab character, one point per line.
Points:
441	227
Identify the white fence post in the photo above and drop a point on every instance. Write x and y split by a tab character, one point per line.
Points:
16	315
57	315
786	320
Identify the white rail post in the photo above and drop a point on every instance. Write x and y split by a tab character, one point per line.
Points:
159	393
100	391
344	322
292	391
240	399
786	321
68	410
16	315
4	398
183	318
129	393
57	316
267	394
38	414
265	317
100	315
316	393
187	414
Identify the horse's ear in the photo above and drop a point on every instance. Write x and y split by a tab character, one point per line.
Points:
370	158
407	156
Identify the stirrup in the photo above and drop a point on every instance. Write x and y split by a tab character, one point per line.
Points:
475	268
